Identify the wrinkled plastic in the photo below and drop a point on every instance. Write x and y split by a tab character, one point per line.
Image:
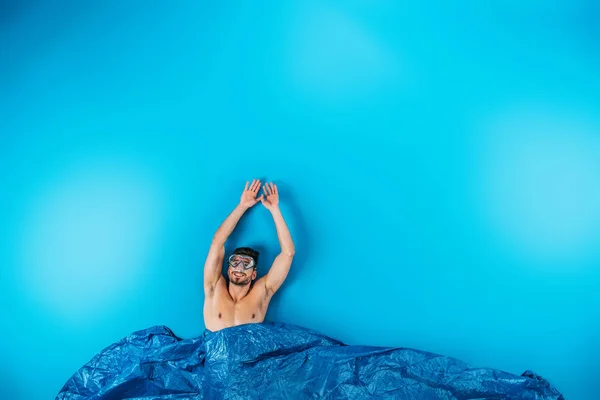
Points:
283	361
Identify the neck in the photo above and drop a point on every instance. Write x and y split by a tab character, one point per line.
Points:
238	292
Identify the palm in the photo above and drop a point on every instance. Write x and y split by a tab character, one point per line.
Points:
248	198
271	196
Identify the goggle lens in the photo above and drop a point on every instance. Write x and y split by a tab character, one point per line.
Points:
237	260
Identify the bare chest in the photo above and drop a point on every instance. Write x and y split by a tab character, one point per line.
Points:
220	311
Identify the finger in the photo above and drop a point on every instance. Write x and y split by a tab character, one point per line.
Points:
258	199
276	190
252	184
273	189
246	188
256	186
266	189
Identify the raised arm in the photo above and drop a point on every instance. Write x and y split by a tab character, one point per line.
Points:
216	253
281	266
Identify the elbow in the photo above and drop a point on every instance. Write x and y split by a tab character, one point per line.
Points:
218	241
290	252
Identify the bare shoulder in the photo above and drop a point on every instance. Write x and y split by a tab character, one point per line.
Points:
260	291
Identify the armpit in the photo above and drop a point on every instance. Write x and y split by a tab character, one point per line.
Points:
209	290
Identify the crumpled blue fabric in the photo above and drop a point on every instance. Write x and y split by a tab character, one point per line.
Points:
274	360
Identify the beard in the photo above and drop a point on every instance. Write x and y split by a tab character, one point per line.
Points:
240	281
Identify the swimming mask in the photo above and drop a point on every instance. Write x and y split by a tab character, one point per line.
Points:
239	261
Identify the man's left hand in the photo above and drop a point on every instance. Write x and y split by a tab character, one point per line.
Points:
271	196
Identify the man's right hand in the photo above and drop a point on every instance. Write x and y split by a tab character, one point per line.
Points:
249	194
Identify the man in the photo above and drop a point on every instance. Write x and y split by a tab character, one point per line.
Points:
238	302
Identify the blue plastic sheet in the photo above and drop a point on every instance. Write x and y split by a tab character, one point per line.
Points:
278	361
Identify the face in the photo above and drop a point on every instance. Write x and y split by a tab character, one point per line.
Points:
241	278
238	275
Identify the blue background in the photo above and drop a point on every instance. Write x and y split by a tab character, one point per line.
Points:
439	168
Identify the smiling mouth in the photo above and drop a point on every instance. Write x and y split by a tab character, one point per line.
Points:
238	275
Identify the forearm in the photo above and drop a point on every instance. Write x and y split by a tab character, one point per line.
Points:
229	224
283	233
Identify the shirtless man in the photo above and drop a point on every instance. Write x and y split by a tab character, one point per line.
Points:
236	301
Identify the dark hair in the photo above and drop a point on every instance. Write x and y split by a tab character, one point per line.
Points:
247	251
